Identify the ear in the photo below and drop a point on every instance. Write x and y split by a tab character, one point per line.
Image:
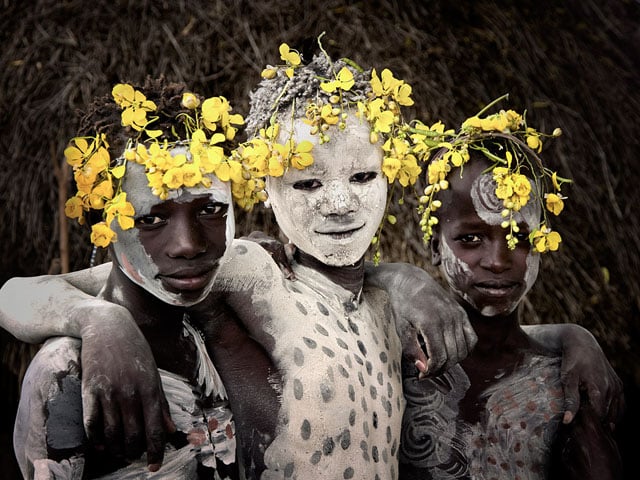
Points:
436	258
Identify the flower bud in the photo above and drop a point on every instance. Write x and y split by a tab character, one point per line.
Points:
268	73
190	101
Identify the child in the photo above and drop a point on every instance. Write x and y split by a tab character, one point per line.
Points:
331	337
167	217
498	413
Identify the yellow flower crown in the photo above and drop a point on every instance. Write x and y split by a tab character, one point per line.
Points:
377	101
447	150
99	181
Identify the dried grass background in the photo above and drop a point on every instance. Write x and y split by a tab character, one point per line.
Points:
571	64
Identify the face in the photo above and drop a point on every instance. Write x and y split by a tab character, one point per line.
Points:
471	248
332	209
176	246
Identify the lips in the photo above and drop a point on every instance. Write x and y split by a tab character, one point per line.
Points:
188	279
341	232
496	289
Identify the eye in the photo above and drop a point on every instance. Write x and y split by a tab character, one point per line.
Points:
522	235
150	221
310	184
469	239
214	209
363	177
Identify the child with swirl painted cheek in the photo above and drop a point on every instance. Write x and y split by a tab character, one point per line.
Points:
168	221
498	414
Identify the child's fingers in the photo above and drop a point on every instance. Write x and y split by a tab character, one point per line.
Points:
571	396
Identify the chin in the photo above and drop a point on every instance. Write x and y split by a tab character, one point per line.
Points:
497	310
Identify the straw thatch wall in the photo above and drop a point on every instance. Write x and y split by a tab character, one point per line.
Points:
572	64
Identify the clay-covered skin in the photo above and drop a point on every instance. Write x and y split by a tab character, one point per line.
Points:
176	268
475	260
165	263
499	412
331	210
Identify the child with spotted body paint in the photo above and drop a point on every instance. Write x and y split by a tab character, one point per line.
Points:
330	334
498	413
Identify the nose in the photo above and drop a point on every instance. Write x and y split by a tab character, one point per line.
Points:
339	199
186	239
497	257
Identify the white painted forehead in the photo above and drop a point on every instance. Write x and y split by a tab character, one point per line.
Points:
136	185
347	150
489	206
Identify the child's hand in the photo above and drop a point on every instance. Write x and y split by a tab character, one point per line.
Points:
124	406
433	328
586	373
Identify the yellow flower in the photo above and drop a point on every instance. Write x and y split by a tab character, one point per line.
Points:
160	157
190	101
229	170
344	81
301	156
554	203
191	175
391	167
135	106
544	239
533	140
514	120
155	181
120	209
382	119
504	188
437	171
521	185
213	111
410	171
472	123
103	191
173	178
457	157
291	57
276	166
268	73
402	95
102	235
328	115
73	207
385	85
123	94
78	153
214	156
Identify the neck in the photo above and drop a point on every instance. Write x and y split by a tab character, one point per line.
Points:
496	333
146	309
349	277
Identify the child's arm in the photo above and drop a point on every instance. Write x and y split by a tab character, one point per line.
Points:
584	368
36	308
120	374
422	307
586	450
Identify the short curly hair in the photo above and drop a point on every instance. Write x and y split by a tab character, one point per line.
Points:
104	116
275	96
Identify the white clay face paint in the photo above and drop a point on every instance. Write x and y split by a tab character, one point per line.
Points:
335	218
132	258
